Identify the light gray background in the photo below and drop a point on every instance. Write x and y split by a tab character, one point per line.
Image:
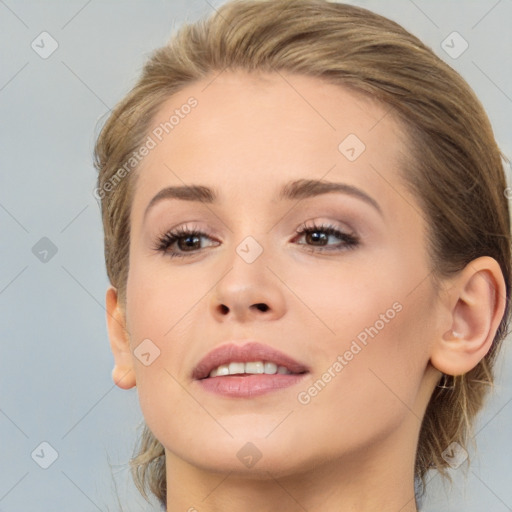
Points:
55	363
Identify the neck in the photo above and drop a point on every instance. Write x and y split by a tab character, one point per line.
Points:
369	480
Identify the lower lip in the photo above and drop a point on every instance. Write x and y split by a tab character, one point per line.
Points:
249	385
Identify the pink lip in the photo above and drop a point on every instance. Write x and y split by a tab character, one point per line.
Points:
248	386
251	351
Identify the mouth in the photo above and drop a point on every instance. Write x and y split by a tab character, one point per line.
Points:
253	358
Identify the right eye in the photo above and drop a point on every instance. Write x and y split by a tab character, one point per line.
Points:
187	241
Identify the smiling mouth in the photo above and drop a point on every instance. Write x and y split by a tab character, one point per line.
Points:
252	360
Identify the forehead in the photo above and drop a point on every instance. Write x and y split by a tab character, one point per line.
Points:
249	132
264	103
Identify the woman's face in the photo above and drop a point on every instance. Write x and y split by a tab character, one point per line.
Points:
355	306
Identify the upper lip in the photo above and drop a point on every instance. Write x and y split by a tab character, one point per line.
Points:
251	351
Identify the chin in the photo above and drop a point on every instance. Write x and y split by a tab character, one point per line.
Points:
250	456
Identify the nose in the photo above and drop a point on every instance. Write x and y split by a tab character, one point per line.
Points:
248	292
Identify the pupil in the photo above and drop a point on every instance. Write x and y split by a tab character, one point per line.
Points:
191	237
314	235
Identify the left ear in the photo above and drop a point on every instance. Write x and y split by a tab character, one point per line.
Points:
475	303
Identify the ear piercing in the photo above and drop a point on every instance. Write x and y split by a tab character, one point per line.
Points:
443	383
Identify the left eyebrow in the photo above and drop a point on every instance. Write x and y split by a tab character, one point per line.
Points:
299	189
303	189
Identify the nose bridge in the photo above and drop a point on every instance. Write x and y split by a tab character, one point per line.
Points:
247	267
251	243
250	250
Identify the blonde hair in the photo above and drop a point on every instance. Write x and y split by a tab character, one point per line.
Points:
454	166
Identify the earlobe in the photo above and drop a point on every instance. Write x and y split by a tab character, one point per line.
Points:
123	373
476	303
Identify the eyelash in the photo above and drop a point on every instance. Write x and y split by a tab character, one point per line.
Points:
350	241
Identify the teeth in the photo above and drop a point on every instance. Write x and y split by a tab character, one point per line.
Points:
236	368
255	367
271	368
252	367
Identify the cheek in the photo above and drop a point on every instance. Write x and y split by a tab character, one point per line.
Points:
378	360
150	317
373	359
158	301
365	395
352	302
162	309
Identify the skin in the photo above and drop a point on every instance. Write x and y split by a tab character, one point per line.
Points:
352	446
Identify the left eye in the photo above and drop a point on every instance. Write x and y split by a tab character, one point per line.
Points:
188	241
319	236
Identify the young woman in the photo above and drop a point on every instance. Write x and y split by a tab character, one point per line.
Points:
308	244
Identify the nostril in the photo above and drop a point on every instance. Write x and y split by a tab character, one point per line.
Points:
262	307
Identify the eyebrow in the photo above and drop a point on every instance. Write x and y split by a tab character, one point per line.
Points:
299	189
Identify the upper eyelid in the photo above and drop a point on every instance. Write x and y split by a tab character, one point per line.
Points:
302	226
318	220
